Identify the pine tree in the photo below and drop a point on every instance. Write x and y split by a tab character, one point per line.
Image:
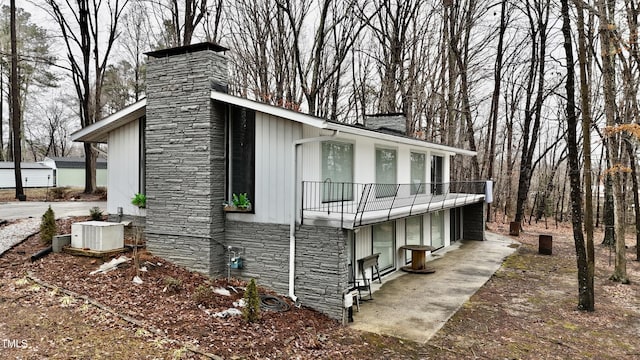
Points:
48	226
251	311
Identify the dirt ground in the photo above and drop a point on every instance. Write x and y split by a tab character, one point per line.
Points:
53	308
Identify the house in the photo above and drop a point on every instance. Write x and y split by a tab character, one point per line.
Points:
34	175
70	171
324	194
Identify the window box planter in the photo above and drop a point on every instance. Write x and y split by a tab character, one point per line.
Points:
235	209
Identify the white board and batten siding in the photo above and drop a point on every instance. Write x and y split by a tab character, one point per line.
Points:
273	174
124	168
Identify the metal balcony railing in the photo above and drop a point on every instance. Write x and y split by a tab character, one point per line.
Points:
354	204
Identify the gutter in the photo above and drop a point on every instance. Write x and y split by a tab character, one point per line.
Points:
292	223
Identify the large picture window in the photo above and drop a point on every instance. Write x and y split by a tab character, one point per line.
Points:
242	127
386	165
437	229
384	243
337	171
418	173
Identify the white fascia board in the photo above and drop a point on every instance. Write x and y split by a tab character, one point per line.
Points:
270	109
98	132
450	150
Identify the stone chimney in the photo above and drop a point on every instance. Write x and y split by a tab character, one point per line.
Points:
185	147
396	122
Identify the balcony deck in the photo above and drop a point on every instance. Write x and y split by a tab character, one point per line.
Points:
349	205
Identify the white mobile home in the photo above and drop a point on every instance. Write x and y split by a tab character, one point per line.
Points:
34	175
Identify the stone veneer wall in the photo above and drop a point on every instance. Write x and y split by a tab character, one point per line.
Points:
185	170
321	261
473	222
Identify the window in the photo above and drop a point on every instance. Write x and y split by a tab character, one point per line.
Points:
437	175
413	233
385	172
242	127
337	171
384	243
437	229
418	173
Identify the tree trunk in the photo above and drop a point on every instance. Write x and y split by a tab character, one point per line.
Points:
495	98
15	107
585	294
636	197
608	50
586	143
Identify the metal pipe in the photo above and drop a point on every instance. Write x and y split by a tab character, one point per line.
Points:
42	253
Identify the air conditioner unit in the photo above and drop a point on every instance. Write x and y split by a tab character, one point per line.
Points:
97	235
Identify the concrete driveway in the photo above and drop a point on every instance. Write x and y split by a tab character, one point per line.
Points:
416	306
34	209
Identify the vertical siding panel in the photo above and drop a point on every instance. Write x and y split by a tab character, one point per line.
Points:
123	172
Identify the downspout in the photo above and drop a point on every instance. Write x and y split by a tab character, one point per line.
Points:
292	223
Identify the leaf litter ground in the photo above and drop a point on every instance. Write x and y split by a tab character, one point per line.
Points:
527	310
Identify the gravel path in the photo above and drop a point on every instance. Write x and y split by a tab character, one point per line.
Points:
14	233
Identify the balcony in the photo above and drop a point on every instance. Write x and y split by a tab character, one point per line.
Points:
351	205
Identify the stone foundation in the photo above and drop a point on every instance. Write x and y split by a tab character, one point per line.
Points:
321	261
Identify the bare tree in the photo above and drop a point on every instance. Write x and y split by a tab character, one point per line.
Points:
495	97
338	27
82	31
538	16
608	46
178	21
585	291
586	143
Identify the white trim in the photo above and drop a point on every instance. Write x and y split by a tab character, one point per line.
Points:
399	139
324	124
98	132
270	109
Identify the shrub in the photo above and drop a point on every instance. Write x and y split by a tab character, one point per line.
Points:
59	193
172	284
202	294
48	226
251	311
95	213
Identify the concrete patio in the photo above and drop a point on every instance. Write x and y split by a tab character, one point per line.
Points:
416	306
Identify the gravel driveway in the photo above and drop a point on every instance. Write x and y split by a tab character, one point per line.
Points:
29	213
14	233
